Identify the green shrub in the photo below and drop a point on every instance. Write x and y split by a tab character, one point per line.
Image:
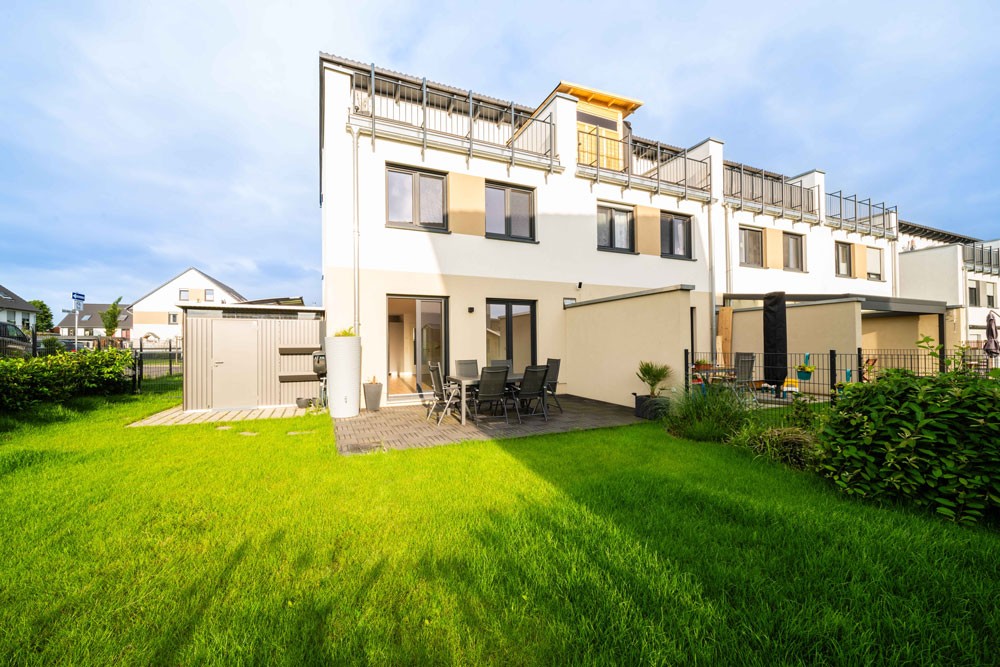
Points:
52	345
57	377
934	441
708	412
657	407
792	445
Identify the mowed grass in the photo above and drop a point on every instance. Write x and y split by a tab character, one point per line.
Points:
180	545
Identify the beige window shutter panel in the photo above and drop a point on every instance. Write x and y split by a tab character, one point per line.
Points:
466	204
859	260
647	230
774	257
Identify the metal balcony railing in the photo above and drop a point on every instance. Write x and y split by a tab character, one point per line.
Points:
754	186
982	258
638	160
438	113
864	217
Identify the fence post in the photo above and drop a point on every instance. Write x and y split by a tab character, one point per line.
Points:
833	376
135	376
34	342
861	366
687	370
170	357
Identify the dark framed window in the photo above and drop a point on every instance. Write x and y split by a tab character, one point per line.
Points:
874	262
843	260
991	295
210	295
183	295
615	229
510	332
675	235
172	318
974	293
751	247
415	199
792	250
510	212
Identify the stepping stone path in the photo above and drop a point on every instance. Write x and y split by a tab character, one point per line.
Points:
247	433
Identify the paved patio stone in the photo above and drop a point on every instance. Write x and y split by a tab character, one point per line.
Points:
405	427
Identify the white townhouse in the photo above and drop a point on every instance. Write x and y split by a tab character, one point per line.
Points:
959	270
157	316
15	310
459	226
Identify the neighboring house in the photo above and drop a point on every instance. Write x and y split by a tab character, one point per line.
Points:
15	310
157	315
961	271
458	226
91	324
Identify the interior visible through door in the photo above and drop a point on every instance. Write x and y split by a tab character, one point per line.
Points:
416	337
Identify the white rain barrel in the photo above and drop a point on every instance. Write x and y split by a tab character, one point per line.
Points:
343	368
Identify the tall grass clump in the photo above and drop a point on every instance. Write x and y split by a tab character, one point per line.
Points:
712	413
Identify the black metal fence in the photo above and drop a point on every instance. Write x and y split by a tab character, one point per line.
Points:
776	385
157	368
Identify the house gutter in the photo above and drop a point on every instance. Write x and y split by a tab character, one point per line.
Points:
357	233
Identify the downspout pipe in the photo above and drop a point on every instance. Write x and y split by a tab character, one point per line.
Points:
713	324
357	234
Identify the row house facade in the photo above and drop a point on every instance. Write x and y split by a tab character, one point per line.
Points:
458	226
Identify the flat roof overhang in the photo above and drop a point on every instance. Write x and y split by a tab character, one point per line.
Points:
880	304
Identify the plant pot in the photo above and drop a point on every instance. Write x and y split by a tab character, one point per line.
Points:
804	375
343	379
702	367
373	396
640	406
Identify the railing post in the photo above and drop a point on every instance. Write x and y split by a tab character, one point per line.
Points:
512	134
423	123
628	163
685	156
833	376
552	144
742	182
34	342
687	370
659	166
597	143
471	124
170	357
371	102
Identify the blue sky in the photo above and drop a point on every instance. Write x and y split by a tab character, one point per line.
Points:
137	139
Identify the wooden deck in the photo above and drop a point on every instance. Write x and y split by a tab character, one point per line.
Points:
176	416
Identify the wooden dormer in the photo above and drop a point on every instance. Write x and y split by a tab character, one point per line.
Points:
599	120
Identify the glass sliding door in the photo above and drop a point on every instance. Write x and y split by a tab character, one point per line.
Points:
416	336
510	332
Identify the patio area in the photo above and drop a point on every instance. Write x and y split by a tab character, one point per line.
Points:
405	427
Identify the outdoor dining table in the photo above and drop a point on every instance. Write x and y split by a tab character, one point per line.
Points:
467	381
709	375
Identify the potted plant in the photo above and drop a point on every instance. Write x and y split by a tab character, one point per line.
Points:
652	375
343	358
373	395
805	371
702	364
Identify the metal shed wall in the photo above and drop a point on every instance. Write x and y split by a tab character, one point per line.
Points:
272	336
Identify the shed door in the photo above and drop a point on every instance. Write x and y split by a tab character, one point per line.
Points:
234	364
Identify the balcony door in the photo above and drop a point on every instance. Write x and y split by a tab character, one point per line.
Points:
510	332
416	336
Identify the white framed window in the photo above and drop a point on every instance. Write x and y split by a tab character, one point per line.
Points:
843	260
209	295
751	247
792	250
874	263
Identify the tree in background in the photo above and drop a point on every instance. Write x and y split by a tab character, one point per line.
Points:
43	320
110	318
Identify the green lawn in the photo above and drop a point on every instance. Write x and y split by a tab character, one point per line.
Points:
188	544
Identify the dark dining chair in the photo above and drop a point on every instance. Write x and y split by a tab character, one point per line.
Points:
530	393
552	381
491	392
467	367
445	394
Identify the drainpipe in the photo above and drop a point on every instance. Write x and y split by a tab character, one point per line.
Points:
729	252
357	235
711	276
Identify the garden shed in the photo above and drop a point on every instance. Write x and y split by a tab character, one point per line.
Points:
245	356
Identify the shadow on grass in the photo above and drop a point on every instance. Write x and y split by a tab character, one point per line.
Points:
793	575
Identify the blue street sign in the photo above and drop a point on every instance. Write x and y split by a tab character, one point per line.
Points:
77	296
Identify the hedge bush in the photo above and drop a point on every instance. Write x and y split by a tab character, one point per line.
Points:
57	377
934	441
